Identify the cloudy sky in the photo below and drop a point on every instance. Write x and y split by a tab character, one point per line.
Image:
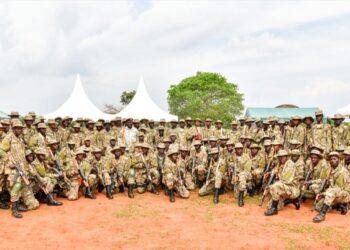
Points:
277	52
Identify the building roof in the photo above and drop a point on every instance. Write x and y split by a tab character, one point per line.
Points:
284	113
3	115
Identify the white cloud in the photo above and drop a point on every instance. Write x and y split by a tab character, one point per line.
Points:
276	51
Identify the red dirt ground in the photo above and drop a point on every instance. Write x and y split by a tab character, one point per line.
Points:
152	222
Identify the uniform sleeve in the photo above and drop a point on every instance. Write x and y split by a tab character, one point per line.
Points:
6	145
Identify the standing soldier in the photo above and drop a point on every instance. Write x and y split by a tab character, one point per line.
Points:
234	134
77	136
296	130
258	167
321	133
52	131
39	140
339	132
29	130
208	129
219	131
199	158
64	131
187	165
339	189
174	176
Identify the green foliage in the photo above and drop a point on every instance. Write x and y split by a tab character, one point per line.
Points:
126	97
206	95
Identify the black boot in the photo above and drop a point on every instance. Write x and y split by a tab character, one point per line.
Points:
273	209
130	191
287	202
296	203
21	207
15	212
121	188
343	208
322	214
52	202
88	193
171	195
109	192
100	188
240	198
3	201
216	196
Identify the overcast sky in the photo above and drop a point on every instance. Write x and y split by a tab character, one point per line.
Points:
292	52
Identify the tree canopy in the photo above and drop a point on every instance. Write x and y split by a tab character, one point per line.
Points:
206	95
126	97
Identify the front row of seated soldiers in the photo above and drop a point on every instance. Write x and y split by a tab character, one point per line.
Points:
285	176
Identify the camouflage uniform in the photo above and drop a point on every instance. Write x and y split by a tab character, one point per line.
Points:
319	173
217	172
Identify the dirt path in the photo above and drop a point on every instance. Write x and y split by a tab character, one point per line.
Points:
152	222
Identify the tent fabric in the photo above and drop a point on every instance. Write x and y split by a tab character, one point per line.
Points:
142	106
3	115
284	113
79	105
344	110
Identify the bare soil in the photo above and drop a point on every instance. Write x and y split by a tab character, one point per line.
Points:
152	222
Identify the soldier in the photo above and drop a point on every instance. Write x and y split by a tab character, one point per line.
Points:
13	145
287	186
308	121
339	189
199	157
182	132
234	133
39	140
99	136
118	162
208	129
172	129
195	132
29	130
160	136
296	130
173	143
52	131
186	164
67	152
64	131
347	159
174	176
339	132
77	136
258	167
90	131
219	131
243	166
160	159
128	134
142	171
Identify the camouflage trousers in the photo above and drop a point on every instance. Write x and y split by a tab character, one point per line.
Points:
244	179
217	180
336	195
257	175
20	191
106	179
189	181
172	183
312	190
280	191
2	182
48	182
201	172
72	192
139	178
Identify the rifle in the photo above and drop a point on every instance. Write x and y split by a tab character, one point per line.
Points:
21	173
81	172
304	186
148	172
193	169
208	174
38	180
233	178
180	176
95	168
321	190
266	189
57	168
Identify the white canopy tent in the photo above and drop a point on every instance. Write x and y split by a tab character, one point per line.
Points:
79	105
142	106
344	110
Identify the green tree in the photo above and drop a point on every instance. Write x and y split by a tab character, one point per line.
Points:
206	95
126	97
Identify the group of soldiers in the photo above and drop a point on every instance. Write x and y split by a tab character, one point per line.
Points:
286	162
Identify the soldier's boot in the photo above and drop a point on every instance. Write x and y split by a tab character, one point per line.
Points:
15	212
130	191
322	214
21	207
3	201
166	190
273	209
343	208
240	198
221	190
287	202
216	196
171	195
121	188
100	188
88	193
52	202
296	203
109	192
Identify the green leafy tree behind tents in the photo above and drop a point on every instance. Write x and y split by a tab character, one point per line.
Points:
206	95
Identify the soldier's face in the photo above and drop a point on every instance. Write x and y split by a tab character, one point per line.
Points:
208	124
229	148
151	124
215	156
319	118
76	130
182	124
183	154
118	153
295	122
161	132
18	131
29	122
234	127
54	146
80	157
161	151
173	124
30	158
87	143
334	161
118	123
129	123
197	147
239	151
276	148
254	151
197	123
267	148
174	157
144	150
112	143
282	159
346	158
136	125
338	122
218	125
295	158
212	143
41	157
71	146
189	123
162	124
42	130
173	138
98	155
90	126
314	159
248	143
99	128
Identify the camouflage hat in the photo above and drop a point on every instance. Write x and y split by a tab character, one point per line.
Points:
160	128
249	120
208	120
267	143
266	122
347	151
42	125
51	121
318	113
338	117
197	142
234	123
32	113
315	152
272	119
122	145
277	142
308	117
79	119
80	151
340	148
241	119
295	117
182	120
90	122
143	127
36	121
98	124
76	125
205	139
5	122
230	142
223	138
14	113
318	147
145	145
28	152
249	137
197	120
213	138
238	145
28	118
218	121
281	153
172	152
87	138
172	134
166	140
162	120
136	121
40	151
295	152
96	150
188	118
333	153
258	119
52	141
214	151
150	121
107	122
116	148
71	142
294	142
66	118
254	145
118	118
184	148
281	121
17	124
173	121
112	138
141	134
161	145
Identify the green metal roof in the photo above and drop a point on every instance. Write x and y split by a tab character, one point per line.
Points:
3	115
284	113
